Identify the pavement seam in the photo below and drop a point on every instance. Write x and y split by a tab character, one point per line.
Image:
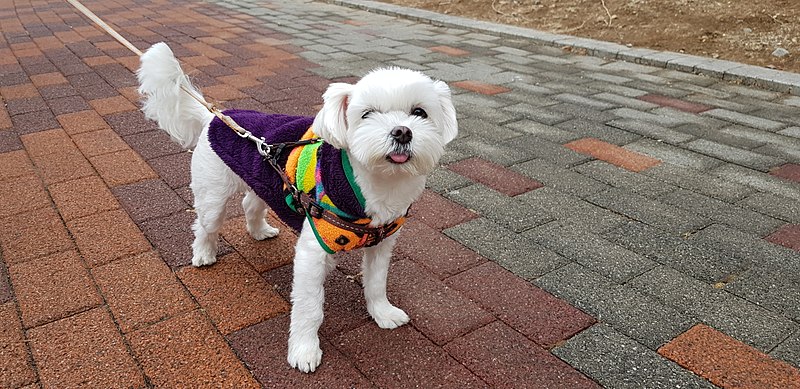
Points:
751	75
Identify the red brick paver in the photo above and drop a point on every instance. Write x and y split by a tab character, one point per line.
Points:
456	52
613	154
728	363
790	171
682	105
787	236
533	312
481	87
503	358
401	356
495	176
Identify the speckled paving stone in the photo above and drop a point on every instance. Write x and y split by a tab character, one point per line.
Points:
748	322
505	359
82	197
263	255
148	199
32	234
504	247
52	287
439	212
107	236
401	357
439	312
616	361
80	122
727	362
15	367
122	167
22	194
494	176
85	349
345	308
263	348
434	251
675	103
233	293
141	290
15	164
531	311
186	351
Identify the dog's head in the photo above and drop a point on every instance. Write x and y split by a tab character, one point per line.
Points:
395	121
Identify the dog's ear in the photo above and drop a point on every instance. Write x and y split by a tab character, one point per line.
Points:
331	121
447	123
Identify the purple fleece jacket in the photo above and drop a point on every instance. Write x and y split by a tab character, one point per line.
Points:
241	155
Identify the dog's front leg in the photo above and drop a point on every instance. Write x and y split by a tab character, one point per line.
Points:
311	264
375	269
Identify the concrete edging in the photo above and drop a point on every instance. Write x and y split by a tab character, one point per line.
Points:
776	80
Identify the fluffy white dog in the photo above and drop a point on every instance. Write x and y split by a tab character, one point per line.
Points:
392	126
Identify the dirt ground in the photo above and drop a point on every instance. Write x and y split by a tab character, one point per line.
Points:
737	30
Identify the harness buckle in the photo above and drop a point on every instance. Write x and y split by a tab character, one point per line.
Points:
315	210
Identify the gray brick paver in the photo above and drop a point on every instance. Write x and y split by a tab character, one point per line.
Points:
735	316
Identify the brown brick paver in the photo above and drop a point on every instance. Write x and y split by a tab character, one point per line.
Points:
728	362
82	197
233	293
84	350
186	351
33	234
107	236
52	287
141	290
15	367
613	154
481	87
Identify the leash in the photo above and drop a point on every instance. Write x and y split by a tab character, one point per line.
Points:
270	152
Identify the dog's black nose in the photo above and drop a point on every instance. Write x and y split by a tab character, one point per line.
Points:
401	134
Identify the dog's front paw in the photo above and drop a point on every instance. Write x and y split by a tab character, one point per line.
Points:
388	316
304	355
264	233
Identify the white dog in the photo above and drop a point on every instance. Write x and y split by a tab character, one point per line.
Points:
392	126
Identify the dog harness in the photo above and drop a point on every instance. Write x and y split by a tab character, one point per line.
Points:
314	181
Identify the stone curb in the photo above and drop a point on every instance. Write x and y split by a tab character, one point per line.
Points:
776	80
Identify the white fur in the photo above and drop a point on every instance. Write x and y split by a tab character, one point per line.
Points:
391	95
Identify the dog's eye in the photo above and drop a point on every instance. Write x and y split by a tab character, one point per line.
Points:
419	112
366	114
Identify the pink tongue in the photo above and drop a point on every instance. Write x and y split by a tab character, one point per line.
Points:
398	158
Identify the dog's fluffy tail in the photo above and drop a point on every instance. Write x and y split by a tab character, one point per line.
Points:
177	113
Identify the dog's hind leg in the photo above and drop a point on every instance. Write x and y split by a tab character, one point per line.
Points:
375	268
255	213
210	207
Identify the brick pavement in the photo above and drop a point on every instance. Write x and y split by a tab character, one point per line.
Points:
596	223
